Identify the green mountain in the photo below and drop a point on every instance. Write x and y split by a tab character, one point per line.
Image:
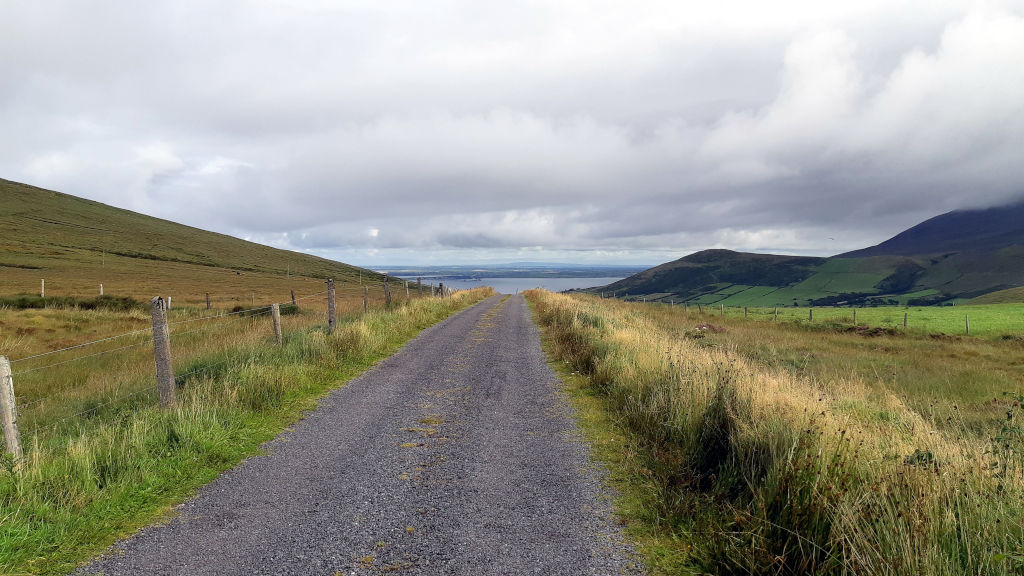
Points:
952	257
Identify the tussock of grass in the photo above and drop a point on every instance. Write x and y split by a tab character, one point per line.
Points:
761	470
97	477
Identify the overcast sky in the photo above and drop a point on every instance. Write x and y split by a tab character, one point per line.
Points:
383	132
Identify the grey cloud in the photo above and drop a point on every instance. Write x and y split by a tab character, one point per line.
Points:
470	129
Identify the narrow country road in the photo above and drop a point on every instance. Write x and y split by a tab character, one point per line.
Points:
457	455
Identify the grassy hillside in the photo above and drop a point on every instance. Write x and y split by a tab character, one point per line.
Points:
77	244
950	258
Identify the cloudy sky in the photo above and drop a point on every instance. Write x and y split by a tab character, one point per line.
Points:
396	132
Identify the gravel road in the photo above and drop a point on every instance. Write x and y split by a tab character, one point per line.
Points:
457	455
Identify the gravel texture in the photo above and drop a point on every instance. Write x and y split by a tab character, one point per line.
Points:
457	455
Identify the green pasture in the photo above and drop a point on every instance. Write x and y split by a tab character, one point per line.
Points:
992	320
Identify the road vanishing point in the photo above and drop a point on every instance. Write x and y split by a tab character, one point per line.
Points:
457	455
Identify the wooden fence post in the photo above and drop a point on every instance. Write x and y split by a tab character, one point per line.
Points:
419	285
387	293
9	410
293	299
904	320
366	292
810	314
207	300
967	324
723	309
776	318
330	306
854	316
744	311
275	312
162	354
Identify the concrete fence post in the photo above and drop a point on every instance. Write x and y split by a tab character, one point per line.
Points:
162	354
42	288
275	312
101	289
331	309
9	410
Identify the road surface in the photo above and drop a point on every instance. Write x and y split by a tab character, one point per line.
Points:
457	455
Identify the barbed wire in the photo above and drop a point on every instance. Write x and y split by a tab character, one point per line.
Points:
82	345
146	341
93	409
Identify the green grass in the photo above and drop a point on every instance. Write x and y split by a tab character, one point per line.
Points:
795	449
991	321
90	479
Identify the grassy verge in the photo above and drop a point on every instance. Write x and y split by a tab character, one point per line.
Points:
95	478
740	466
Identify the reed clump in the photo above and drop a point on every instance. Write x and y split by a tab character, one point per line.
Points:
762	471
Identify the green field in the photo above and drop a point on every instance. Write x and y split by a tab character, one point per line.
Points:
992	320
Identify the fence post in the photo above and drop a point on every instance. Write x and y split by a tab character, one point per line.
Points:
904	320
42	288
700	309
854	316
387	293
366	292
723	309
330	306
162	354
776	318
419	286
207	300
293	299
967	324
9	410
101	289
275	312
406	291
810	314
744	311
440	289
168	302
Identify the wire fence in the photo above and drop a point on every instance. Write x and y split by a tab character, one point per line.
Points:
54	389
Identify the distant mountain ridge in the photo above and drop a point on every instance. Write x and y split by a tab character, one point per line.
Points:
952	257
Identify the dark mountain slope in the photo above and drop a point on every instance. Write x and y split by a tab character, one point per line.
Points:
984	230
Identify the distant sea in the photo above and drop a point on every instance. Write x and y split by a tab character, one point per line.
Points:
512	285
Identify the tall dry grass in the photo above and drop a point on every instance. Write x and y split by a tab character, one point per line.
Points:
761	471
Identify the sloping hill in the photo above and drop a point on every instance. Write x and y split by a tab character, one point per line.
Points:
712	270
76	244
986	230
956	256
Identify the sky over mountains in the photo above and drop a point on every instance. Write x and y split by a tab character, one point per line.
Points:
413	132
